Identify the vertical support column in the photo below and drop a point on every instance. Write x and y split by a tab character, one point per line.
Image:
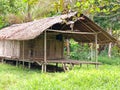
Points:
3	51
68	48
91	51
23	55
29	65
45	61
13	44
2	60
63	49
96	53
17	63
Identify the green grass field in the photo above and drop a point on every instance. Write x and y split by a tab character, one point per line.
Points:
106	77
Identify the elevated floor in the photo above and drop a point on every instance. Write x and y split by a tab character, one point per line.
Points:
66	64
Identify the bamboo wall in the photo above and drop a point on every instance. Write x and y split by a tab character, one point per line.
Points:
10	49
32	48
1	48
35	48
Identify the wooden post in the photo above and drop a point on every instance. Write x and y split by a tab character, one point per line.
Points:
23	55
3	51
110	44
2	60
91	51
44	63
16	62
68	48
29	65
56	66
96	53
80	65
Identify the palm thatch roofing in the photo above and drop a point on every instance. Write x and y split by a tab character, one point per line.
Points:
84	29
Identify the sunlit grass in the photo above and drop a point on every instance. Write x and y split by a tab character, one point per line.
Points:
106	77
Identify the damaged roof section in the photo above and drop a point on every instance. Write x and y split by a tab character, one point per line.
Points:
82	27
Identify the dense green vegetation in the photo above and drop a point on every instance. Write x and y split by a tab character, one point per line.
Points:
106	77
82	51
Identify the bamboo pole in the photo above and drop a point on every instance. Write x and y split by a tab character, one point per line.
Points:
23	55
68	48
91	50
2	60
103	32
13	48
96	53
72	32
3	51
16	63
29	65
90	28
45	61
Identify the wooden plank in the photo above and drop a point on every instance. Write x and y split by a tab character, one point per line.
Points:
58	52
96	53
2	46
73	32
23	54
45	61
73	62
29	65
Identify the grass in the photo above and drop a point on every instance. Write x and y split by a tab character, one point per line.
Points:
107	77
110	61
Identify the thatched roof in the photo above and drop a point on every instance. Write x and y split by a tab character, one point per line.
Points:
31	30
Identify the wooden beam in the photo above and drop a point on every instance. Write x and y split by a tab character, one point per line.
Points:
96	53
70	32
68	48
17	63
23	55
3	51
29	65
45	58
90	28
103	32
87	26
91	49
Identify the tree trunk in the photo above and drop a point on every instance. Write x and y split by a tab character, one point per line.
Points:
109	50
29	18
110	44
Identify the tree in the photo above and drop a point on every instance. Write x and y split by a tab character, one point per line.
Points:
109	19
30	4
94	8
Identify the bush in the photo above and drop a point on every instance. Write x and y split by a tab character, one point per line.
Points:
116	51
79	51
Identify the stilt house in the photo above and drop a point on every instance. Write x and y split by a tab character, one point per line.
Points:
42	41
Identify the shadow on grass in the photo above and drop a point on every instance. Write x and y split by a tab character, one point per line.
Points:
34	66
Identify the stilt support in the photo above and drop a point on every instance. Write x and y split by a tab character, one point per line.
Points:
45	53
96	52
80	65
23	63
56	66
2	60
29	65
44	67
16	63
